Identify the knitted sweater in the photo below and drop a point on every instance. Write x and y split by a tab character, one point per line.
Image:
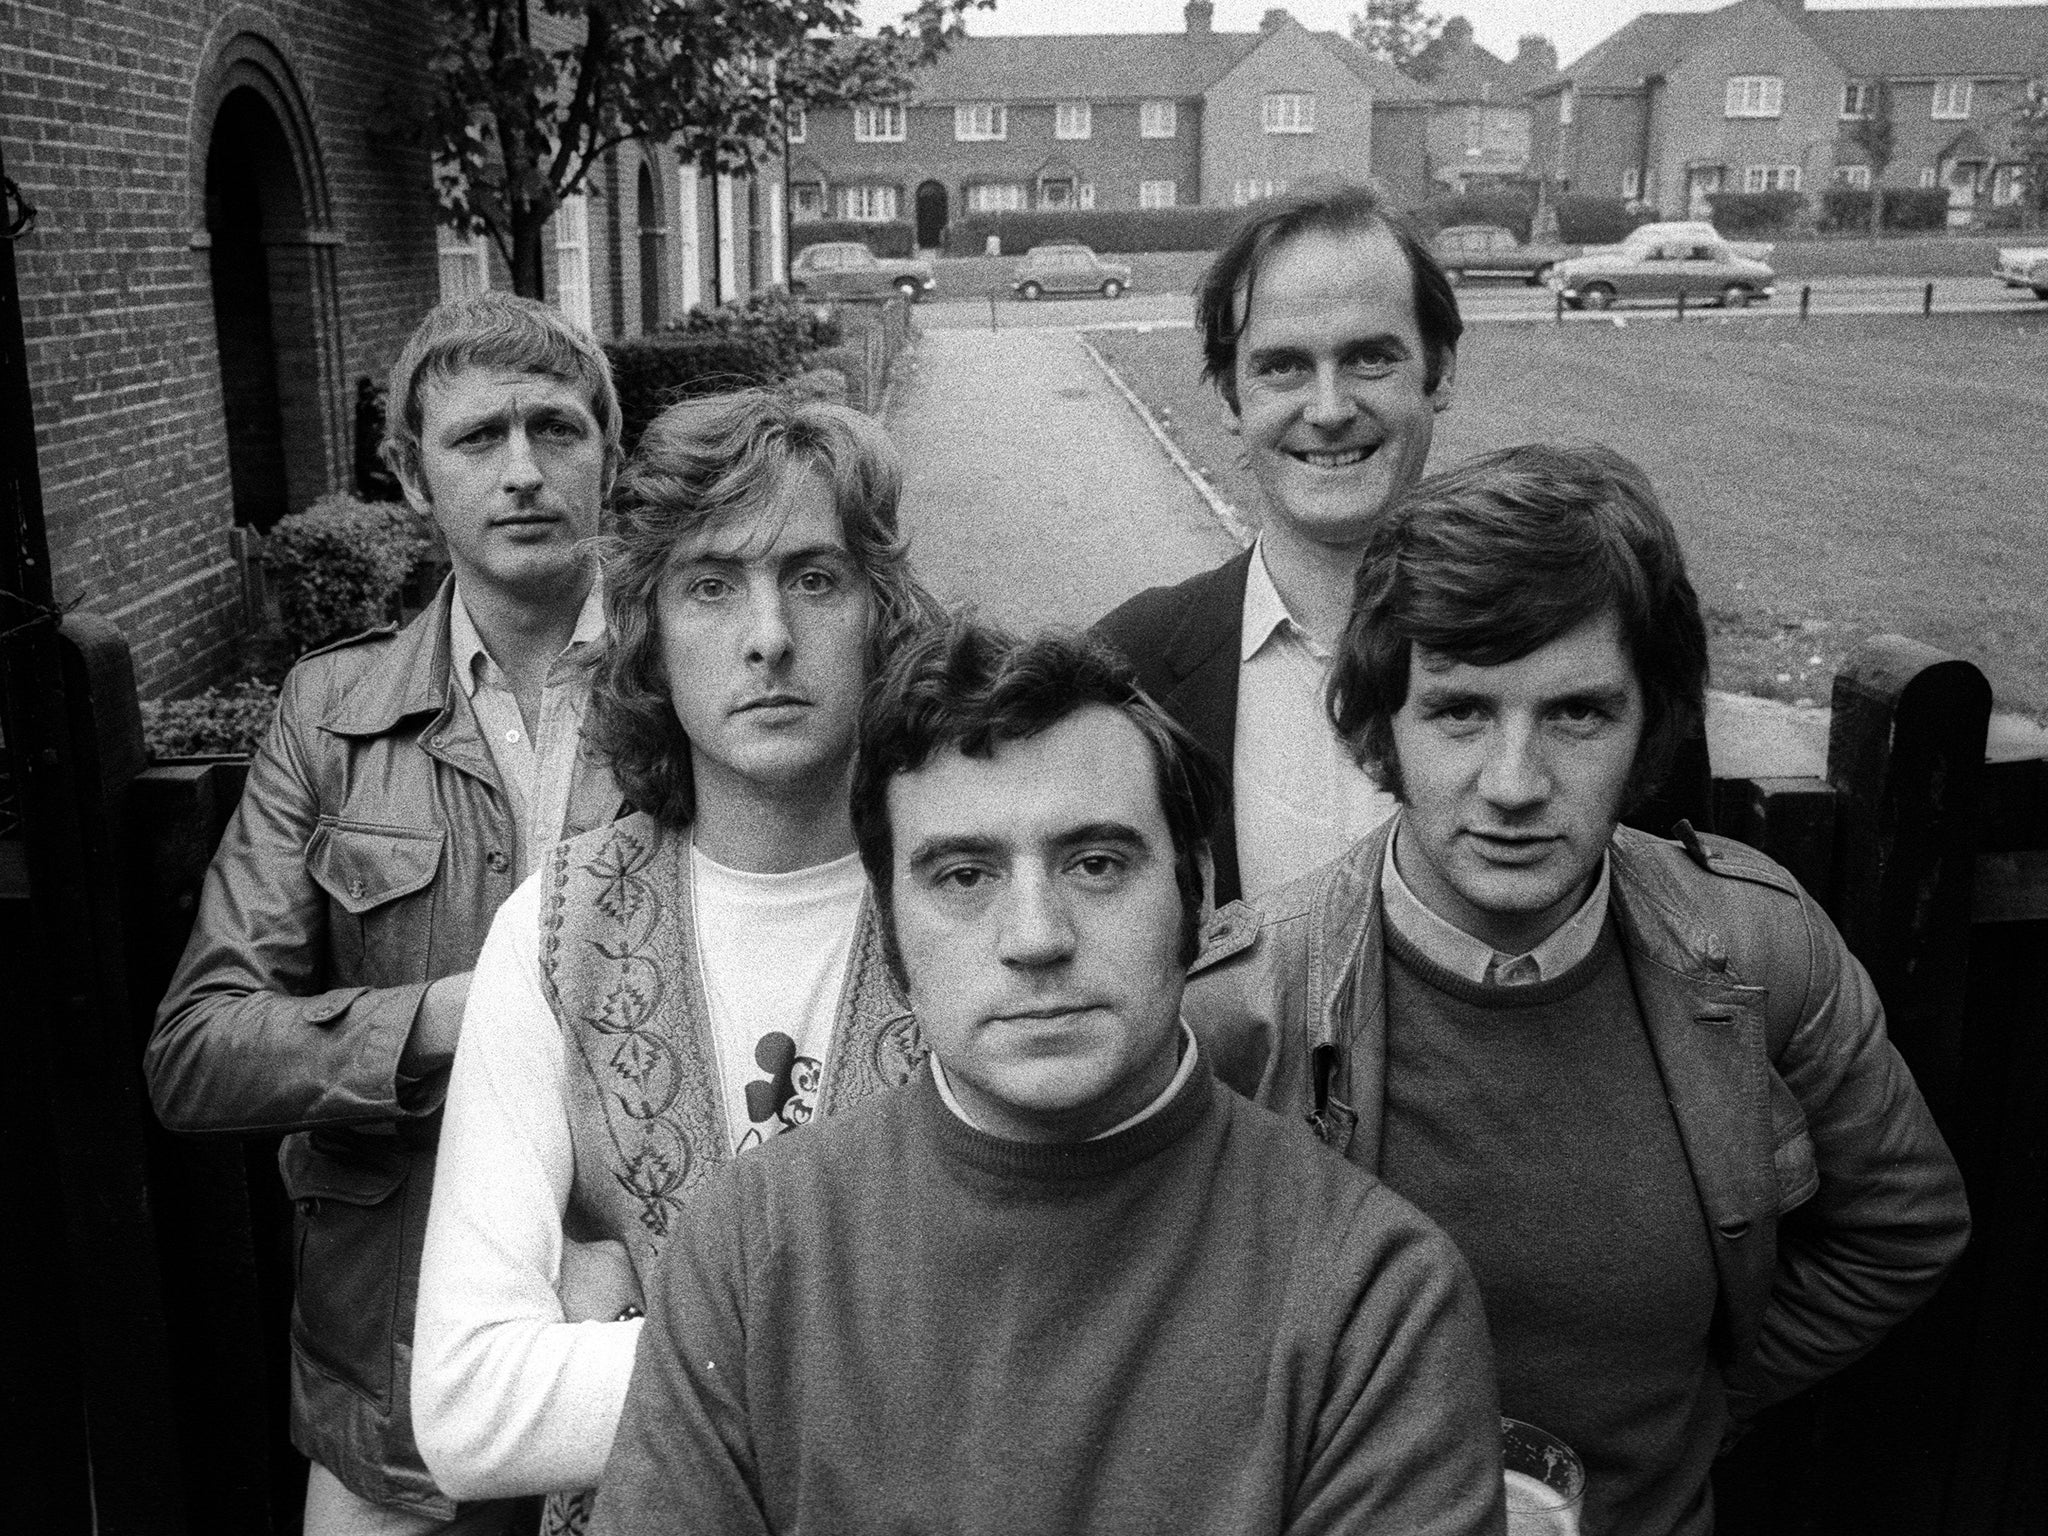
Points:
1203	1323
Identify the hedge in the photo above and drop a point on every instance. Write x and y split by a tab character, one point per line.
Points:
1513	211
221	722
654	372
336	567
1584	220
794	328
1119	231
1755	213
898	237
1848	208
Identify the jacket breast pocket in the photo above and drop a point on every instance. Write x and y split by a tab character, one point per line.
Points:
380	911
349	1246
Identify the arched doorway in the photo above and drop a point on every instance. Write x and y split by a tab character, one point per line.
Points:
931	214
653	249
275	307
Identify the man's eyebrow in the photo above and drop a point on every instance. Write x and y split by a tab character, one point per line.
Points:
1116	832
739	557
936	850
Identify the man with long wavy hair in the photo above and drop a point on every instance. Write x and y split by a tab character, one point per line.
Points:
695	978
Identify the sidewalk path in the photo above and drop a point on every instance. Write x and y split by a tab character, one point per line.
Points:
1031	487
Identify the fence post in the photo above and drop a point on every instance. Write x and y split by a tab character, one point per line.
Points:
1927	301
1906	757
1558	295
1681	306
1805	299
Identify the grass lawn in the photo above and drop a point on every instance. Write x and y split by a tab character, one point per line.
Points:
1830	481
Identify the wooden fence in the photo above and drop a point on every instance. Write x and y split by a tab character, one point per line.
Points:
160	1301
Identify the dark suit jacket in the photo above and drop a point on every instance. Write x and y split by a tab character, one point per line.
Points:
1183	642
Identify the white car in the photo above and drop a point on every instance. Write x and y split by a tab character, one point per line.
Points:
2024	266
1699	231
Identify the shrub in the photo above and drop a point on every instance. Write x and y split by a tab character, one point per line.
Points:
898	237
1118	231
793	327
1755	213
1511	210
1848	208
336	568
654	372
1583	220
220	722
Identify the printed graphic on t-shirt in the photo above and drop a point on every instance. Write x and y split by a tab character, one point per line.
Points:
787	1097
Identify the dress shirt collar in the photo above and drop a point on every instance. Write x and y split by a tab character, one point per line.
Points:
1473	959
1180	1077
1265	613
473	663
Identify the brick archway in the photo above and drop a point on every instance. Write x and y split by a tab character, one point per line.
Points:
264	218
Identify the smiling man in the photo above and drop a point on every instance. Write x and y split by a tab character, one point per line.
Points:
1641	1083
1332	335
1061	1282
691	980
411	778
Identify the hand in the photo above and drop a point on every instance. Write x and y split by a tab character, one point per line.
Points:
597	1280
437	1026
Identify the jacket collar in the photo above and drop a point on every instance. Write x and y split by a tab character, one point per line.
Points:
410	676
1212	620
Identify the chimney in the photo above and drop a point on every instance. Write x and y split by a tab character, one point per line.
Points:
1276	17
1201	17
1537	54
1457	32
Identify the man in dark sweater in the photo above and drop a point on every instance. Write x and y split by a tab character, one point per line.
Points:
1062	1282
1642	1083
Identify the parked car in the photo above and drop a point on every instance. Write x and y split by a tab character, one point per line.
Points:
1662	270
846	267
2024	266
1487	250
1693	229
1068	269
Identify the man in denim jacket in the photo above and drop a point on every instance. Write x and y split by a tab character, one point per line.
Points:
410	780
1642	1084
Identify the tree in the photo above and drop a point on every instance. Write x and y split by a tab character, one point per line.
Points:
1874	134
529	94
1395	30
2030	146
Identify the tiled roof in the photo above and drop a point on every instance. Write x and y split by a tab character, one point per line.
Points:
1119	67
1470	73
1649	45
1966	40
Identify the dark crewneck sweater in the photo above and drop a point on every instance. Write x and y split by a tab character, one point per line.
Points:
892	1322
1531	1122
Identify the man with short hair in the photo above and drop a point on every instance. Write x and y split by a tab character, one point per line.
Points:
410	780
1061	1281
1643	1084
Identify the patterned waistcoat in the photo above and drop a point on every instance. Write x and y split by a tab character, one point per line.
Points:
618	961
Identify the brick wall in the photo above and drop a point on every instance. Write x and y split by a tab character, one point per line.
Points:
1236	146
109	113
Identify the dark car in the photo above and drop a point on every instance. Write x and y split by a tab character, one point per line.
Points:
1487	250
1069	269
848	268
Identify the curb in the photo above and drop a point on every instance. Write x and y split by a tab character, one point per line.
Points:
1220	509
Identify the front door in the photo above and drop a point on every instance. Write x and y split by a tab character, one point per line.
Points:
931	215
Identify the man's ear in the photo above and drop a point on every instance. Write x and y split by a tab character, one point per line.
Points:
416	494
1446	382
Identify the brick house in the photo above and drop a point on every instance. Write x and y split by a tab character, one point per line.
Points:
1479	123
229	237
1762	95
1121	121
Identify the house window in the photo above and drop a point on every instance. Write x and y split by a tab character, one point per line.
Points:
1158	119
1859	98
799	125
465	265
1770	178
995	197
1755	96
1951	100
1632	183
806	202
1857	176
1927	178
1252	189
1087	194
1155	194
980	120
869	205
572	260
1564	106
878	125
1071	120
1289	112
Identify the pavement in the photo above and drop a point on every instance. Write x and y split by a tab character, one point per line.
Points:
1041	490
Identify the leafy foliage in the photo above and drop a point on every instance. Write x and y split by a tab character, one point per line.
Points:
1876	136
1755	213
791	326
897	237
1587	220
530	93
1397	31
336	568
654	372
2029	131
1118	231
221	722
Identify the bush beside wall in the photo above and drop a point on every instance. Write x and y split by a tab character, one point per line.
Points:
337	567
1583	220
221	722
895	238
654	372
1512	211
1118	232
1755	213
1848	208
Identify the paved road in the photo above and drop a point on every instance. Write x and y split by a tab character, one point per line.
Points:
1031	487
1481	302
